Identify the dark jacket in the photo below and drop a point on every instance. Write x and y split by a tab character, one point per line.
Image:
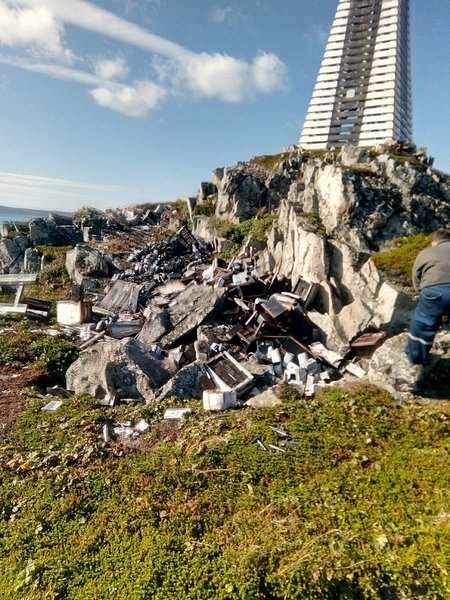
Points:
432	266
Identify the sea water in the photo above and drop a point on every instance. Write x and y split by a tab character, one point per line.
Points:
9	213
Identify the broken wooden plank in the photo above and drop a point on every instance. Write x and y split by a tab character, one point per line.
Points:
15	279
6	309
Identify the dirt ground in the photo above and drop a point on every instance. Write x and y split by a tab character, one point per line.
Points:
12	399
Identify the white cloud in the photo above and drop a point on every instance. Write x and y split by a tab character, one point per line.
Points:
34	191
35	27
132	101
93	18
219	15
228	78
53	70
111	68
38	180
209	75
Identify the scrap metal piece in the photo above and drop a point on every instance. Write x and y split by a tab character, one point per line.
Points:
228	374
52	405
368	339
277	448
122	297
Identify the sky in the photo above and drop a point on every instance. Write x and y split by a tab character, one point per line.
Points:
107	103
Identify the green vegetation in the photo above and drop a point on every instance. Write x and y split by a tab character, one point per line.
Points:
54	279
270	161
239	233
87	213
361	169
207	209
357	509
20	228
26	346
397	263
409	159
315	220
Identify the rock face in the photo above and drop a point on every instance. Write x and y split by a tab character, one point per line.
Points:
192	307
334	209
12	252
54	231
114	370
84	262
389	366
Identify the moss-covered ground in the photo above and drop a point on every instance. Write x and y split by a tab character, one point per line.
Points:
397	262
357	508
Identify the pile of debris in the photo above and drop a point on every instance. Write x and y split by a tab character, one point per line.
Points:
179	322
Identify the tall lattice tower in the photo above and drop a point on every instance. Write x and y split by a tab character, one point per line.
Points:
362	94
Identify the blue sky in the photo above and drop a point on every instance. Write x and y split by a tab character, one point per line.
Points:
108	103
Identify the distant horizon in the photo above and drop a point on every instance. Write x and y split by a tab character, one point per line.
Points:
21	209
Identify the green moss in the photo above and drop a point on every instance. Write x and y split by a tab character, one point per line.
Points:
408	159
207	209
87	213
361	169
397	263
270	161
256	227
53	253
315	220
26	346
358	508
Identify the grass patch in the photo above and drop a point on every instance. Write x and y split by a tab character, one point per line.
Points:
271	162
361	169
397	264
409	159
238	233
206	209
25	346
358	508
54	281
315	220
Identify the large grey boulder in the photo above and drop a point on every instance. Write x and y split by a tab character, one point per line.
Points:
12	251
156	327
32	261
390	368
185	385
47	232
191	308
239	194
119	369
85	262
392	309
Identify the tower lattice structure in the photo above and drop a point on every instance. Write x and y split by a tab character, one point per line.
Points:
362	94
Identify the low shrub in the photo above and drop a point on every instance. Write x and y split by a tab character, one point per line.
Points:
357	507
397	263
24	345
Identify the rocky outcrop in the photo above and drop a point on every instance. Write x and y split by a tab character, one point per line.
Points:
53	232
84	262
191	308
334	209
12	252
115	370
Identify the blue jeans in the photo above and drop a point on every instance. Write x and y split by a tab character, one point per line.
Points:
434	303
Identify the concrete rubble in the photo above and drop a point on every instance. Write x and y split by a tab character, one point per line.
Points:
304	308
179	322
